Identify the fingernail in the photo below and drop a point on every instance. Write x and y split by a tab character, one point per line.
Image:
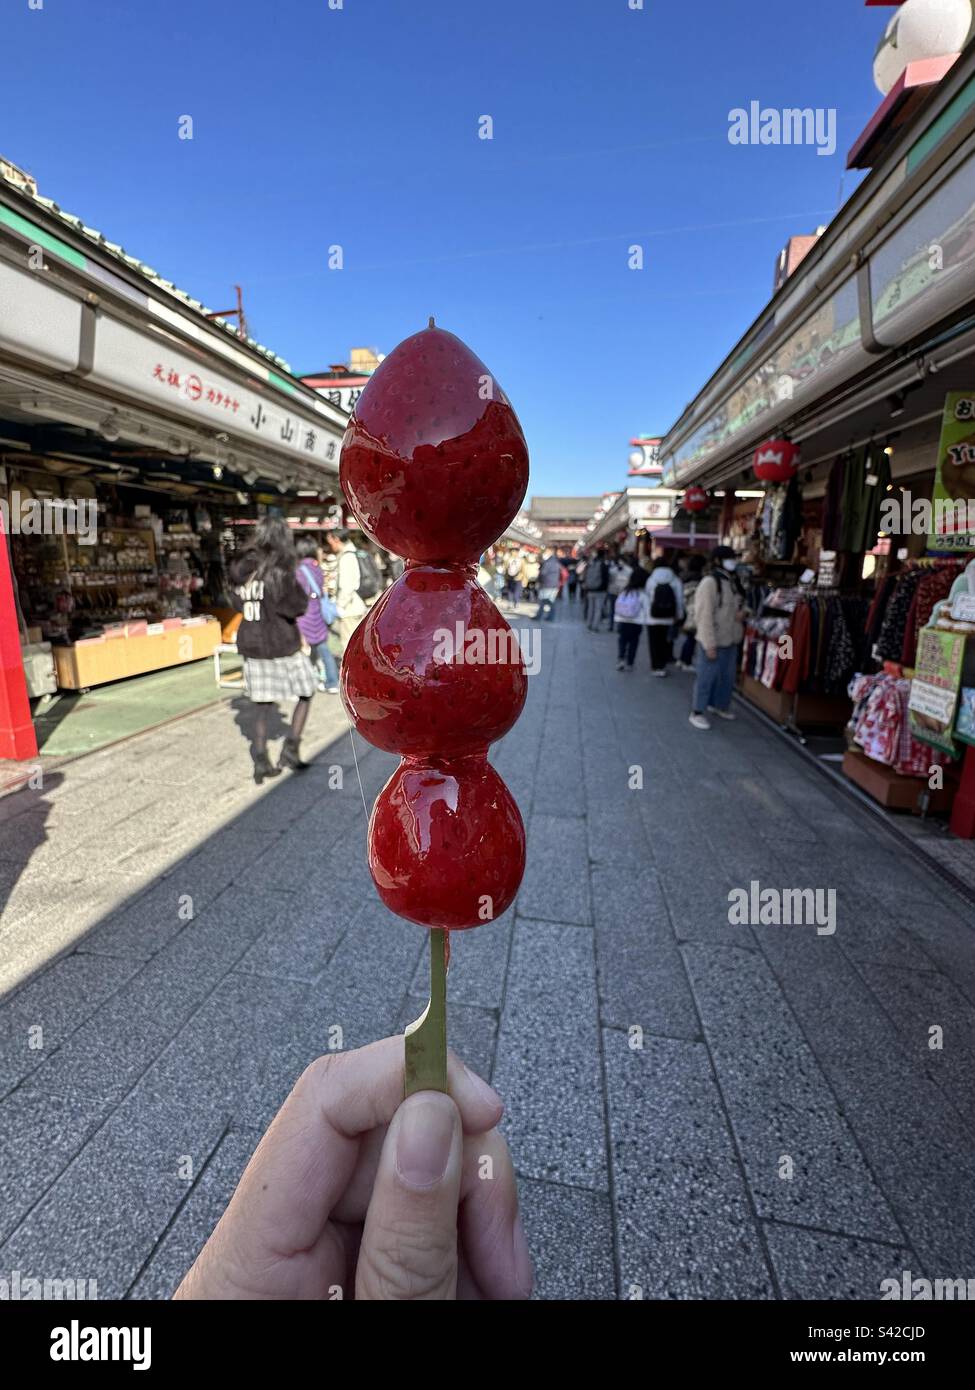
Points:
423	1143
480	1090
524	1272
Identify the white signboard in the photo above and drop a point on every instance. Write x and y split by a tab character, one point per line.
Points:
933	701
963	608
153	369
344	397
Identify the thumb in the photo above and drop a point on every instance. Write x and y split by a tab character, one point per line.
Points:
409	1242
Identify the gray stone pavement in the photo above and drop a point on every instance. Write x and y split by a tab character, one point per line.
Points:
695	1109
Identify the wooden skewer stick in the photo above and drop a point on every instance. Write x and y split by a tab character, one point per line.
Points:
426	1039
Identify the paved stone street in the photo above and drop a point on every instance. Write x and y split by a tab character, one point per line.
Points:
785	1130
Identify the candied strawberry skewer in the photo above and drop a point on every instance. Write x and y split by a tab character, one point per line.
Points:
435	466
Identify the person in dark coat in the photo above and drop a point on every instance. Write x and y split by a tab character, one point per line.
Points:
270	600
549	583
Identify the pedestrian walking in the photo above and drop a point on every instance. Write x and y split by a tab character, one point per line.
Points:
581	584
268	596
631	614
315	622
595	583
572	580
665	601
688	630
499	575
533	569
348	583
719	605
549	583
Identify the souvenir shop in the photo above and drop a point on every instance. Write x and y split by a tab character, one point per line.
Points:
135	428
848	609
849	407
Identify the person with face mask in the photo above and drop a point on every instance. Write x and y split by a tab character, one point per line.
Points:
718	611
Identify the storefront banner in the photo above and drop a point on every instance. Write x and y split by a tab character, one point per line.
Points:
934	689
954	484
153	369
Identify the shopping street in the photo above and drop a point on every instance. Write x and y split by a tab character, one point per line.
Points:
695	1109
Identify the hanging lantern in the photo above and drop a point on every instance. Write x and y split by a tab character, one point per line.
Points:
696	499
776	460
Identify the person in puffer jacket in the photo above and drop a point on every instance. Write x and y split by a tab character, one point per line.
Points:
719	606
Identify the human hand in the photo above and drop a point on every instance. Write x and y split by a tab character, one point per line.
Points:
355	1193
711	653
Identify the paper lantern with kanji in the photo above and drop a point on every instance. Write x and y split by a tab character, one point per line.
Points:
696	499
776	460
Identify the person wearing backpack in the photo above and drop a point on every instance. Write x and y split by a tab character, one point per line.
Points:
270	600
348	599
370	576
688	632
665	603
321	612
631	613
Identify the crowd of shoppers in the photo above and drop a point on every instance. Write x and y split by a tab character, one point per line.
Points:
516	575
691	607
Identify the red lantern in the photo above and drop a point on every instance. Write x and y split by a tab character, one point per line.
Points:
776	460
696	499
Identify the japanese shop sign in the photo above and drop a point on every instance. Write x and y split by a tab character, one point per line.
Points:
954	484
149	367
344	397
934	689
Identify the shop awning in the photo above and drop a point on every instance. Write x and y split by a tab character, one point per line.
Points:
857	312
91	340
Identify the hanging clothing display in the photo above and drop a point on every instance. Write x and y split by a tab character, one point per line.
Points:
833	505
780	519
904	603
828	643
881	726
760	658
935	585
789	524
867	475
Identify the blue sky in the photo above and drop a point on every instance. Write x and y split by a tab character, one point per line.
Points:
358	127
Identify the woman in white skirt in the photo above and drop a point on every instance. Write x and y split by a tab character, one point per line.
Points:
271	600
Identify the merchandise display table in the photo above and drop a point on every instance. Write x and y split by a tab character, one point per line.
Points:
894	790
114	658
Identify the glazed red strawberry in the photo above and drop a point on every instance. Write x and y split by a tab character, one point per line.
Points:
435	467
434	462
447	843
434	667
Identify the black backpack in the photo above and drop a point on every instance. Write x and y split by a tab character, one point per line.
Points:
369	583
664	603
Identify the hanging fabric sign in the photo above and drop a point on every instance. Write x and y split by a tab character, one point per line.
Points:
954	484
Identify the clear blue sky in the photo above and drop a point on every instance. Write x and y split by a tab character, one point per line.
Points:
358	127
